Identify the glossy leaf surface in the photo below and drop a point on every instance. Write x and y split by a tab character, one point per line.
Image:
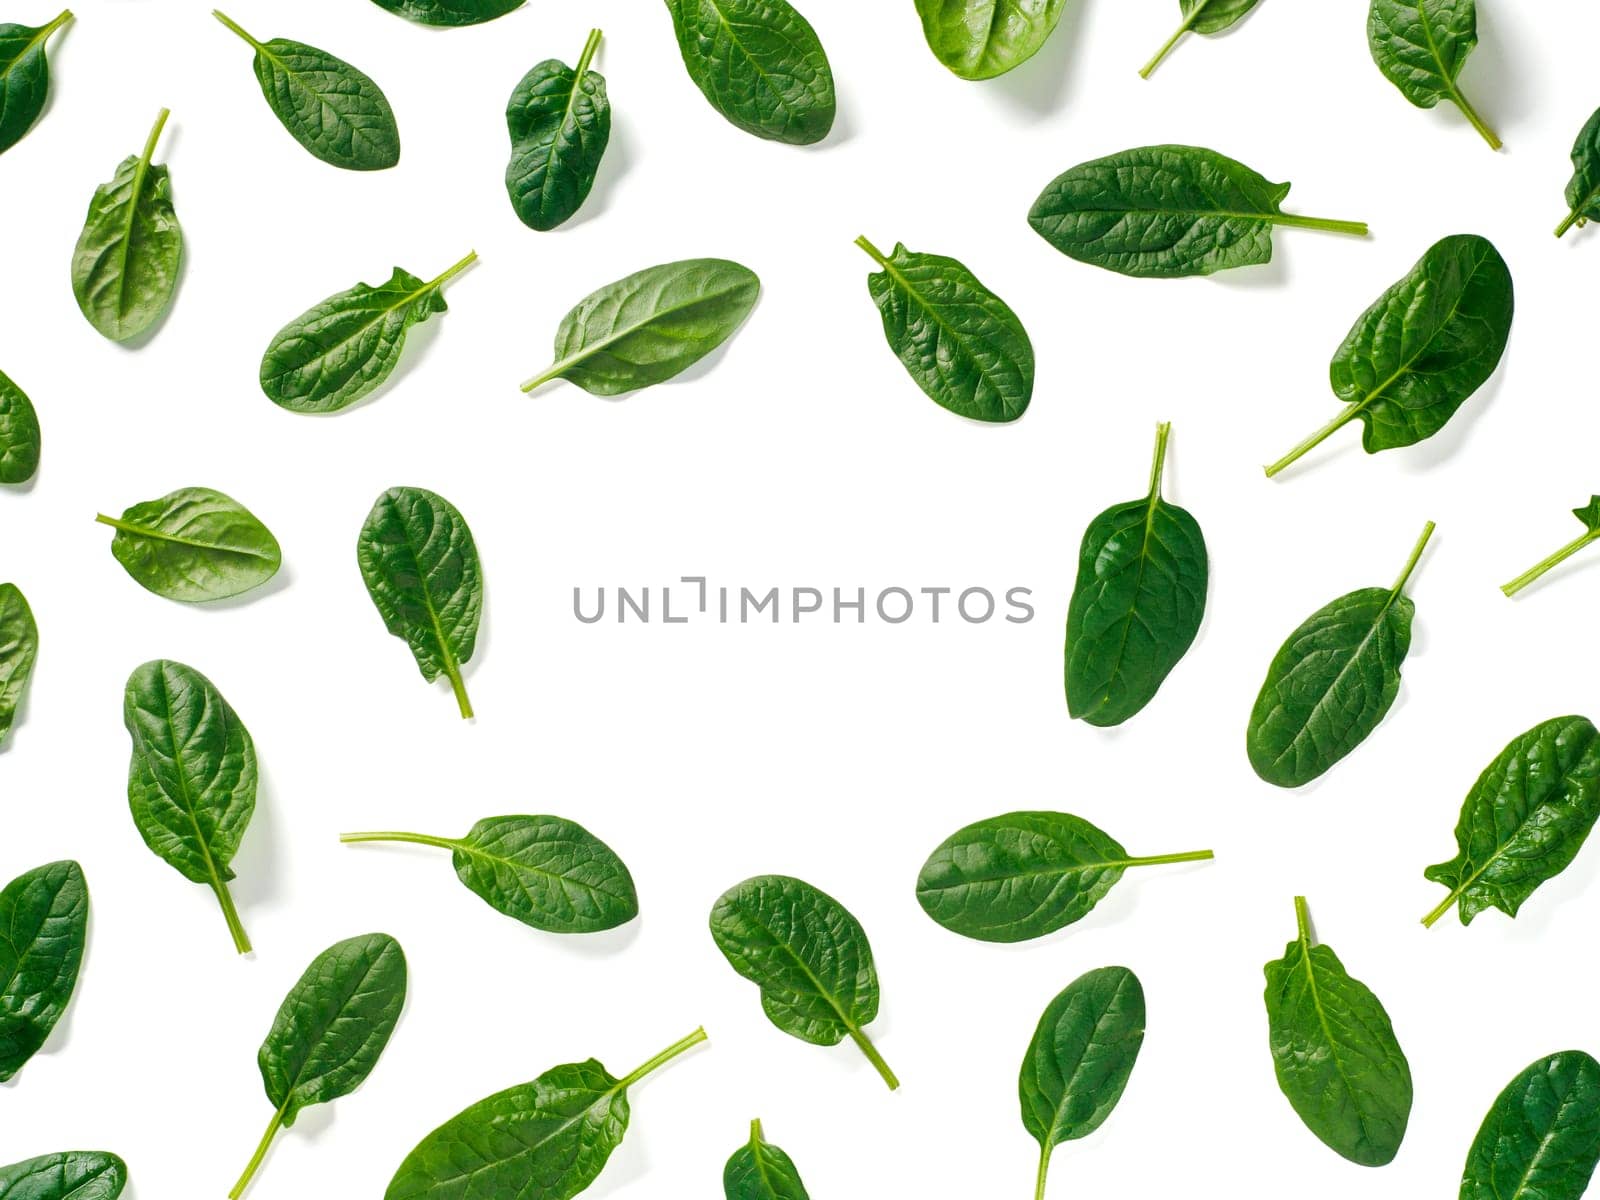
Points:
19	649
24	77
1206	17
1589	514
980	39
1541	1139
559	118
72	1175
1583	189
194	544
759	1170
19	434
1421	46
44	924
449	12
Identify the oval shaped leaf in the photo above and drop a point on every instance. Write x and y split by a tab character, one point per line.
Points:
560	122
961	343
980	39
44	923
651	325
19	434
194	544
1541	1140
125	266
1207	17
73	1175
19	648
1421	46
759	1170
449	12
1583	189
24	77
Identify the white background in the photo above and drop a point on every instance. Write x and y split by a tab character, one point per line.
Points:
803	456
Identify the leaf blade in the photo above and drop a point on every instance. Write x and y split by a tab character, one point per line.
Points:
559	119
19	433
758	1170
44	921
19	650
1542	1134
987	38
194	545
73	1175
451	13
24	77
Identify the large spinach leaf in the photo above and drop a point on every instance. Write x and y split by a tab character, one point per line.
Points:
192	778
44	923
559	119
1583	189
651	325
1524	821
961	343
759	1170
1025	874
1080	1058
1165	211
19	648
72	1175
1137	603
19	434
545	1140
1423	348
808	955
329	107
1589	514
1421	46
1541	1140
194	544
450	12
1206	17
344	347
24	77
1332	681
125	266
421	569
980	39
1335	1052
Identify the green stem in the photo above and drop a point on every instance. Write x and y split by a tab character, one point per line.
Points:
124	526
241	940
1162	859
1560	556
1572	219
756	1137
1315	440
873	1057
420	839
236	27
1044	1172
61	19
1354	228
1302	920
1432	918
662	1059
589	48
155	136
459	687
876	254
1188	22
1411	563
1471	114
1159	463
472	257
261	1152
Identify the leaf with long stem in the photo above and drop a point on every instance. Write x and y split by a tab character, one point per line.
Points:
1590	516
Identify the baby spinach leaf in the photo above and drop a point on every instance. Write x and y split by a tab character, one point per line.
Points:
560	122
651	325
1335	1052
545	1140
809	957
759	1170
1080	1058
1332	682
1421	46
1024	875
44	923
961	343
1583	190
1589	514
19	434
344	347
421	569
329	1031
1137	604
1541	1140
1204	17
547	872
24	77
194	544
125	266
1165	211
450	12
980	39
73	1175
19	647
192	777
1524	821
1422	349
329	107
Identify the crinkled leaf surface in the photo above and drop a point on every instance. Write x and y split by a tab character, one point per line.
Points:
73	1175
44	923
1214	16
194	544
759	1170
547	872
1421	46
19	648
979	39
1541	1139
449	12
19	434
559	119
24	77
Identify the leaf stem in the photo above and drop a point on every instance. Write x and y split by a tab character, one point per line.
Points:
241	940
1572	219
1432	918
589	48
1044	1171
1162	859
155	136
1471	114
756	1137
236	27
876	254
1354	228
1315	440
61	19
1411	563
472	257
1302	920
261	1153
459	687
420	839
662	1059
1159	463
1161	54
873	1057
1560	556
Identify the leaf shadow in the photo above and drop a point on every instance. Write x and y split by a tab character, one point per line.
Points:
261	591
606	944
1493	77
1536	920
19	717
614	166
630	1162
60	1035
1043	83
1271	274
1451	440
259	863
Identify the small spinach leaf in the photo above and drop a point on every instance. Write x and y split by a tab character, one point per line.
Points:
44	923
1204	17
1421	46
547	872
72	1175
125	266
449	12
344	347
1080	1058
1589	514
809	957
980	39
24	77
560	123
1525	819
1332	681
651	325
961	343
19	434
329	107
1583	190
19	647
1166	211
1335	1052
759	1170
421	569
194	544
1541	1139
545	1140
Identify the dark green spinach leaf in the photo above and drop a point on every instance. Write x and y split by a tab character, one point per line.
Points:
980	39
1589	514
449	12
19	434
560	123
1541	1140
759	1170
44	923
72	1175
1421	46
19	648
24	77
194	544
1206	17
1583	190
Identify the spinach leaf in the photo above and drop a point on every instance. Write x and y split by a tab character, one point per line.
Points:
760	64
24	77
19	647
1583	190
651	325
192	777
759	1170
1137	603
1541	1140
961	343
545	1140
19	434
1025	874
1164	211
1079	1060
44	922
560	122
1421	46
1204	17
329	107
194	544
125	266
1422	349
344	347
421	569
1335	1052
980	39
1332	681
1524	821
329	1032
547	872
809	957
73	1175
450	12
1589	514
